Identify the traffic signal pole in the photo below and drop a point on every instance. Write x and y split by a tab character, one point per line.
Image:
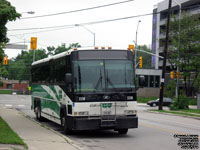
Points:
165	58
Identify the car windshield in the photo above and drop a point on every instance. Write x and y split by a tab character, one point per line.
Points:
103	75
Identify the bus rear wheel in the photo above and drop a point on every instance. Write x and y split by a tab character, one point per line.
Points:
38	113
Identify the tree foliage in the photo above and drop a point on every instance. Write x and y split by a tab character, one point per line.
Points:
146	58
186	55
53	51
19	68
169	89
7	13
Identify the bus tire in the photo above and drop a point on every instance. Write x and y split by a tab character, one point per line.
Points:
123	131
38	113
64	123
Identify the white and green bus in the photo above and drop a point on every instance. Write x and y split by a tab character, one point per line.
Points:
86	90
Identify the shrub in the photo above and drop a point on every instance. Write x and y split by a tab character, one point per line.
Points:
1	83
170	88
182	103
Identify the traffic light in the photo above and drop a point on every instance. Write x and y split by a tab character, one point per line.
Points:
178	75
172	74
5	60
33	43
131	47
140	62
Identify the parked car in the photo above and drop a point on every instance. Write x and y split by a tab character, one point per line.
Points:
166	102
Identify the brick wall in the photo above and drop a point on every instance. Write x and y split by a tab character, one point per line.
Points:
15	85
148	92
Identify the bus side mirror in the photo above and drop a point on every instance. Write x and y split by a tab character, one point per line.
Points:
141	81
68	78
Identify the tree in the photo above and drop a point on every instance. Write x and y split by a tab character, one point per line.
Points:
20	67
50	50
3	72
146	58
63	48
7	13
186	55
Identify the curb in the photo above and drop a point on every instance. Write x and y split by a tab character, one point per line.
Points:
170	114
67	139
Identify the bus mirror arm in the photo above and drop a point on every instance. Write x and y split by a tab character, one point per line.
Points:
68	78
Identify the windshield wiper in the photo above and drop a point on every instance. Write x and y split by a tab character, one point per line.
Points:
99	81
79	78
109	81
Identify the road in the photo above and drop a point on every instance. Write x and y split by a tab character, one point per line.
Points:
156	131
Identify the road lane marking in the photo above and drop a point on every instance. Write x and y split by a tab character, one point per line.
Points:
185	124
164	129
21	105
8	105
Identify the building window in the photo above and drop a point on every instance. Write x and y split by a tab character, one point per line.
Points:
157	81
146	81
151	81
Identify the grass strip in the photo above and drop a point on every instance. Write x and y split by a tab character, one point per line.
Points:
5	91
8	136
145	99
178	113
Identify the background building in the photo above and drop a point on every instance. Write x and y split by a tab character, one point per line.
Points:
159	21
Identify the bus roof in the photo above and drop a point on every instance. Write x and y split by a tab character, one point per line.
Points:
68	53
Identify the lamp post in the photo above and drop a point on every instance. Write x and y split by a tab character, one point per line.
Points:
136	44
77	25
31	13
179	30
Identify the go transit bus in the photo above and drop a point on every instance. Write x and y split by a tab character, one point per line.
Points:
86	90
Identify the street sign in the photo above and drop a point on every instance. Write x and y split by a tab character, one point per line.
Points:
16	46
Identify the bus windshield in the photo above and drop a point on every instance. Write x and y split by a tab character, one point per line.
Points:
103	76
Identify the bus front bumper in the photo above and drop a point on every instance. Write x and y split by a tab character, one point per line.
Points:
85	123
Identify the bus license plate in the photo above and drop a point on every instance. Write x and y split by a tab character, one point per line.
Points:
106	112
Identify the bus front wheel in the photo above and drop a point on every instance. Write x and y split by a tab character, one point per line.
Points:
123	131
64	125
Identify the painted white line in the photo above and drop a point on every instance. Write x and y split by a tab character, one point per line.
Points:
8	105
174	122
21	105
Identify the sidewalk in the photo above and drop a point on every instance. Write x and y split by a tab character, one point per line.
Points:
33	134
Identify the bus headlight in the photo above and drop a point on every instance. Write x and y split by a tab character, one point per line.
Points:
130	112
129	97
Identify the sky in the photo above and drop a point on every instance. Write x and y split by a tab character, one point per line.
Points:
117	34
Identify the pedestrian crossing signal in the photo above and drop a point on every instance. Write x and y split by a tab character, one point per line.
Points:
5	60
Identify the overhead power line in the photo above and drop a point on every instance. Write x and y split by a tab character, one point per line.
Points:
79	10
87	23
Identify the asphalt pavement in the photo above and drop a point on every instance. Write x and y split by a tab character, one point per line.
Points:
155	131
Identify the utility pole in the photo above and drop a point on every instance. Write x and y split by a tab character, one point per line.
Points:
165	58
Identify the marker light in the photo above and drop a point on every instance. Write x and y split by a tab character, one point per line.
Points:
96	47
